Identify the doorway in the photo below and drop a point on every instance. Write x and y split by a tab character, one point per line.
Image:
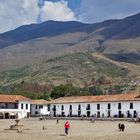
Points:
119	114
7	116
98	114
88	113
54	111
135	114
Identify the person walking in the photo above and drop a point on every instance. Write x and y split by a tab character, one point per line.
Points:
57	121
67	126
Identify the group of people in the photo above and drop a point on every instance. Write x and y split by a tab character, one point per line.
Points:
121	126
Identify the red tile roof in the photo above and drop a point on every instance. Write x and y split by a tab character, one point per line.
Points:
101	98
39	102
12	98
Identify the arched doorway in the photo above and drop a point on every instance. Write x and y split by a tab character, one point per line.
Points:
98	114
135	114
7	115
88	113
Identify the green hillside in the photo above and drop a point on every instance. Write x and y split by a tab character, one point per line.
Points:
78	68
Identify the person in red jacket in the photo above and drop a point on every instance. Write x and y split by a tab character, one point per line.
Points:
67	126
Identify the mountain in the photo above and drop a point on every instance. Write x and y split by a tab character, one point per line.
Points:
33	31
63	52
117	39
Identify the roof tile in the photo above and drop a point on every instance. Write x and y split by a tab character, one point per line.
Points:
101	98
12	98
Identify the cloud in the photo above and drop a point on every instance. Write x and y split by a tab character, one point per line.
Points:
98	10
58	11
14	13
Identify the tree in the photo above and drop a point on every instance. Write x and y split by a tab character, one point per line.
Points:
96	90
65	90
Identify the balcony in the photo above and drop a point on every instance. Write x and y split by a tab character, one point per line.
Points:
8	106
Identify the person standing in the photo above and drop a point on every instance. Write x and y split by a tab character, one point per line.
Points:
119	126
67	126
122	127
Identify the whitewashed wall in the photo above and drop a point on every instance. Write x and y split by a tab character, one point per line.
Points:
41	111
24	111
12	109
125	107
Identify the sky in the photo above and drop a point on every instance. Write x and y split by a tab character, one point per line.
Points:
14	13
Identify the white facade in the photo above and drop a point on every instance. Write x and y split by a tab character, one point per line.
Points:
97	109
39	110
24	107
20	110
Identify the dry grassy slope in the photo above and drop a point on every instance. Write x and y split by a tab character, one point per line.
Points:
35	50
134	70
126	50
44	48
76	68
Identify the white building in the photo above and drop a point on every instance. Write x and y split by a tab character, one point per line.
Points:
121	105
40	108
14	106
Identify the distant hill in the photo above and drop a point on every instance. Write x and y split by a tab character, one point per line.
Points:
77	68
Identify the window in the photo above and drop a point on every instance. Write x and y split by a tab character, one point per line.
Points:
62	107
98	106
41	106
6	105
16	106
36	112
26	106
109	106
70	107
36	107
48	107
88	106
131	105
54	108
21	106
119	106
79	107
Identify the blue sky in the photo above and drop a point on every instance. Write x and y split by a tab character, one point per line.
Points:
88	11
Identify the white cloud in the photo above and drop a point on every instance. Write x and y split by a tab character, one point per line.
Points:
14	13
58	11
